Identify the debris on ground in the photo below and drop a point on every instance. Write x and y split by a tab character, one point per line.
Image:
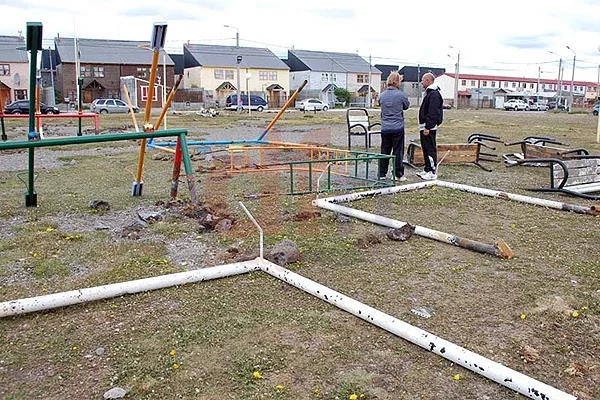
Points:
401	234
529	354
368	240
99	205
306	215
284	252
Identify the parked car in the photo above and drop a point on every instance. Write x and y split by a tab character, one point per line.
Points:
256	102
516	105
595	109
22	107
111	106
312	104
539	107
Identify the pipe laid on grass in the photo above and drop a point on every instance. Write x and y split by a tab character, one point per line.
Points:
378	192
39	303
594	210
499	373
499	249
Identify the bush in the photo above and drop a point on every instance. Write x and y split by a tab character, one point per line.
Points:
342	95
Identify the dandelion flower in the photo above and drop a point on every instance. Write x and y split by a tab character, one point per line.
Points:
49	229
175	366
279	387
172	352
74	348
575	314
352	397
523	316
257	375
457	377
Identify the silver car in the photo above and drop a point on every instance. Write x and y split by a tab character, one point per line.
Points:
539	107
312	105
111	106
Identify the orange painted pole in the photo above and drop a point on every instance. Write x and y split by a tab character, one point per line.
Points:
285	106
131	112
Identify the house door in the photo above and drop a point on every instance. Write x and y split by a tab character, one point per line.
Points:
4	94
87	96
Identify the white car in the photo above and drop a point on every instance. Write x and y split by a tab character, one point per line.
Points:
312	104
539	107
516	105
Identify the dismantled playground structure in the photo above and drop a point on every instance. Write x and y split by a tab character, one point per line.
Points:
341	169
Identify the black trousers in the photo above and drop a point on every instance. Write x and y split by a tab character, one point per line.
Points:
392	143
429	147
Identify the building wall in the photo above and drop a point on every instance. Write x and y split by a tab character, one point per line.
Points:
17	68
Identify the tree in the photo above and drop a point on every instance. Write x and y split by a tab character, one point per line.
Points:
342	95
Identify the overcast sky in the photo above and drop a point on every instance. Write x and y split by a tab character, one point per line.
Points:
508	37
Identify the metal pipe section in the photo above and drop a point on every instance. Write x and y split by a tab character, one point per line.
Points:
26	144
167	104
189	171
260	231
39	117
39	303
131	112
378	192
499	249
176	170
483	366
594	210
280	113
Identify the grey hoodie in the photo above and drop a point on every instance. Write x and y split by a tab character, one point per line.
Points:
393	102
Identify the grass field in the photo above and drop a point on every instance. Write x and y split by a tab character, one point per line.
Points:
253	337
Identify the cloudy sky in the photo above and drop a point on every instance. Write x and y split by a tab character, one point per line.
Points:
509	37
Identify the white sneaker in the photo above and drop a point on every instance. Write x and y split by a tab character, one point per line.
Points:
383	178
428	176
420	174
401	179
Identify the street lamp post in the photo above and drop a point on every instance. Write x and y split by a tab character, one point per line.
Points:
456	72
572	80
558	79
238	61
538	85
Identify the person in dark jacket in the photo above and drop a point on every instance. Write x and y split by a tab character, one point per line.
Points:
430	117
393	102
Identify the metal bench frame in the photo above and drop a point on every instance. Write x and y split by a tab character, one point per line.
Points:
357	120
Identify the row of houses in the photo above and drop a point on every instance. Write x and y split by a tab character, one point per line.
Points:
211	73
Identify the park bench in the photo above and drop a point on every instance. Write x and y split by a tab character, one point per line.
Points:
577	176
358	122
461	153
539	147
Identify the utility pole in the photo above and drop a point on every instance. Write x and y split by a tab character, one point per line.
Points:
418	88
456	73
598	84
538	85
572	80
52	76
238	61
369	89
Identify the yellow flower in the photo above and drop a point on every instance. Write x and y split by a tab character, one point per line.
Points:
352	397
457	377
49	229
279	387
175	366
74	348
257	375
316	390
172	352
575	314
35	255
523	316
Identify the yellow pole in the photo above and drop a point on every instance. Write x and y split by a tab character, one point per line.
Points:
147	126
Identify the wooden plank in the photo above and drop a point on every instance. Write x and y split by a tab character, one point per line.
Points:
577	172
458	147
533	151
585	162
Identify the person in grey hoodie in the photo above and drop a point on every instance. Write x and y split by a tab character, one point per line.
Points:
430	117
393	102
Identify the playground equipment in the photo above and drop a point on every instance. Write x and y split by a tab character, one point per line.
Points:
34	41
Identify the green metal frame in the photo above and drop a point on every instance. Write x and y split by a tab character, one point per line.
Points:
31	195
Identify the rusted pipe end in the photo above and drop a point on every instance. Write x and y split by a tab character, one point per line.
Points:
504	250
595	210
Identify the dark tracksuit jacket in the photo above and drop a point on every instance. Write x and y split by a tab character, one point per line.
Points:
430	117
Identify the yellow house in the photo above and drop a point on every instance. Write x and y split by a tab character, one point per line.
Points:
215	69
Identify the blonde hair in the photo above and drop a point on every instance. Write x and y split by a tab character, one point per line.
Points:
394	79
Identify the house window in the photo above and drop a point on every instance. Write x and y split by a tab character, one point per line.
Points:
228	74
85	71
5	69
362	78
514	84
531	86
472	83
113	94
273	76
324	77
21	94
98	72
463	82
333	77
505	84
219	74
564	87
145	93
263	75
142	73
484	84
494	84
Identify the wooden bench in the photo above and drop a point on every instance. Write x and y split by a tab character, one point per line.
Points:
537	147
447	154
577	176
358	122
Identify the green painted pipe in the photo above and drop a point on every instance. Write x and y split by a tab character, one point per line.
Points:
187	164
113	137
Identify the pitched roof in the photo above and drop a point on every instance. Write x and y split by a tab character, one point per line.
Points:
333	62
515	79
226	56
101	51
8	49
386	70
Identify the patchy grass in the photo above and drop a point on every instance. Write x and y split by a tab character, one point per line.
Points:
206	340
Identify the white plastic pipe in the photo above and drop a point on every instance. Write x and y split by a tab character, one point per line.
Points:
260	231
523	199
500	249
378	192
32	304
483	366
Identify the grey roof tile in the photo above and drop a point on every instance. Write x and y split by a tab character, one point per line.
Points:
8	49
226	56
100	51
333	62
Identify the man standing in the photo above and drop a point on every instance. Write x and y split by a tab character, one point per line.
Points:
393	102
430	117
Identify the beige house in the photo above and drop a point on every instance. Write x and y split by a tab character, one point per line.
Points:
214	69
14	69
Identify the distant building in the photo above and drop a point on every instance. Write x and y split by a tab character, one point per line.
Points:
14	69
